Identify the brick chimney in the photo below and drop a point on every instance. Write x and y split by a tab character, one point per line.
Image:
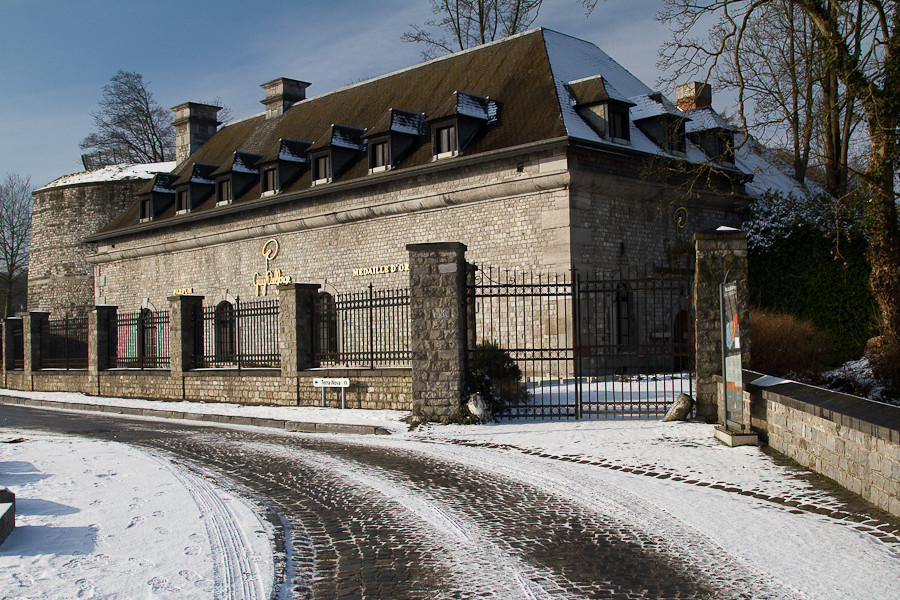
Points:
281	93
194	124
695	94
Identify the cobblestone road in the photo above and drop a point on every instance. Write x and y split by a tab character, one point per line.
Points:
367	519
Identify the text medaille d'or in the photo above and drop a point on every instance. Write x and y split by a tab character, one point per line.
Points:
381	270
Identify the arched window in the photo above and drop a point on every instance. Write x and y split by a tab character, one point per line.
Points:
224	332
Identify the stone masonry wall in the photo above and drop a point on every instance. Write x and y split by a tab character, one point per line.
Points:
60	280
492	207
369	389
721	257
850	440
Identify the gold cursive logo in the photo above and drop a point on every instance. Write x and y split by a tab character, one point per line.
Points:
262	281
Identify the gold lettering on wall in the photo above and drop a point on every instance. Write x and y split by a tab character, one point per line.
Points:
182	291
381	269
262	281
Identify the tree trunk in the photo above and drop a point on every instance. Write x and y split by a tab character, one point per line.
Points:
883	226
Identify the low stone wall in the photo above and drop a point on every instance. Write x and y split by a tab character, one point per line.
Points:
851	440
369	388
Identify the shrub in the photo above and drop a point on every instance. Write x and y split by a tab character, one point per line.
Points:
494	374
787	346
803	276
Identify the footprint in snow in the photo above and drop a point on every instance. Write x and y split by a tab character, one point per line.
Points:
162	531
159	514
191	551
23	579
134	522
85	588
161	584
191	576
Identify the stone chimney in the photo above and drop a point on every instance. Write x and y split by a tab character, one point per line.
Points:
194	124
281	93
692	95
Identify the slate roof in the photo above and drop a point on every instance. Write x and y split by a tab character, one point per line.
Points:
519	87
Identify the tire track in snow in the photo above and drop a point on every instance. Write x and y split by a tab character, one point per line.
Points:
236	576
676	538
476	561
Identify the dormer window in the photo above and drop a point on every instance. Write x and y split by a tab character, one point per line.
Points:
602	107
446	143
160	196
182	202
379	156
322	169
393	137
146	209
269	181
619	131
223	192
662	122
336	151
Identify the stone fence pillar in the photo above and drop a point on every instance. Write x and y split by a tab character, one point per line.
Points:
32	334
438	324
102	338
185	332
295	326
721	258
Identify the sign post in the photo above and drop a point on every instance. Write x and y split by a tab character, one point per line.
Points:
332	382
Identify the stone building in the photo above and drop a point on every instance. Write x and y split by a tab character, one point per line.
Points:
538	152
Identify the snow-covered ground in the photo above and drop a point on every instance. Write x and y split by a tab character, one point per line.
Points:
104	520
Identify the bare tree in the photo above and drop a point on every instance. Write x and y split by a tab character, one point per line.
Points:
461	24
15	238
859	49
130	123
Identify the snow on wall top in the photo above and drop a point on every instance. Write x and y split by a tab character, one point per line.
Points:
112	173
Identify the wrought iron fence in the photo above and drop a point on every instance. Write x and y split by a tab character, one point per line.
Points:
528	318
241	335
142	340
633	344
64	343
17	332
362	329
612	347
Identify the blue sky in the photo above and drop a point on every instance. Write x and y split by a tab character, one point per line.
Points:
56	56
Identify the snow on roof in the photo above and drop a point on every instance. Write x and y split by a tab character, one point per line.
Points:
408	122
769	172
241	160
476	106
702	119
572	59
653	105
293	151
112	173
344	136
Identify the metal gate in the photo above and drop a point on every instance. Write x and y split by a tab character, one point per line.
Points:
602	347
